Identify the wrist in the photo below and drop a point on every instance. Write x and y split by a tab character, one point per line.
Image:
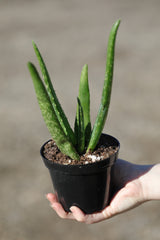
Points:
150	182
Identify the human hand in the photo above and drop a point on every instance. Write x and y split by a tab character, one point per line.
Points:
132	188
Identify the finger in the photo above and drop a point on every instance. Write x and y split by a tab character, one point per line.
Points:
80	216
51	197
57	207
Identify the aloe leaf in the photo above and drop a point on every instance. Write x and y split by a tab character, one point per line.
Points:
106	94
50	117
84	97
79	128
53	98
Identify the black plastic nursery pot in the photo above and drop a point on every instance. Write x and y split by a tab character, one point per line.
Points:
86	186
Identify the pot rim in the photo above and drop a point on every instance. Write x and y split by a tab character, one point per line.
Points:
84	168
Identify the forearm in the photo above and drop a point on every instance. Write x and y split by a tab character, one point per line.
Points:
150	182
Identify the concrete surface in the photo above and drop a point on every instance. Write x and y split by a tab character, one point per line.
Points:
71	33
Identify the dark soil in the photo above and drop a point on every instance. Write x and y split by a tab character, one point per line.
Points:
103	151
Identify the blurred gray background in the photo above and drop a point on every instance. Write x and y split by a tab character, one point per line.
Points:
69	34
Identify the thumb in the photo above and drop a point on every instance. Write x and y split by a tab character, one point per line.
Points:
126	199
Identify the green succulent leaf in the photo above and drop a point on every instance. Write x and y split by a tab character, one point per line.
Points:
53	98
84	98
106	94
79	128
50	116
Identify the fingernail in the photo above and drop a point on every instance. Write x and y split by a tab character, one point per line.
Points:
71	209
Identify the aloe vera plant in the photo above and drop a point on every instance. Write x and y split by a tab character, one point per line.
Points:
83	138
